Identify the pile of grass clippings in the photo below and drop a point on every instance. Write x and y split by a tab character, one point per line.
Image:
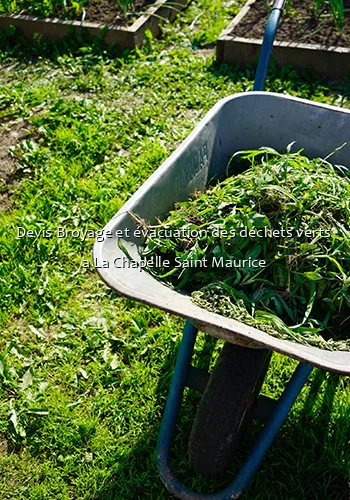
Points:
269	247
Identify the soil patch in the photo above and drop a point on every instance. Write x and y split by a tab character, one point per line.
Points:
9	175
108	12
3	446
298	25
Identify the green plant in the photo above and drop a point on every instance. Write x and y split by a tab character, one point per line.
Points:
317	5
45	8
8	6
337	7
125	5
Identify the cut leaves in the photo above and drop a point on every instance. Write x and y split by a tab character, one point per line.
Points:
282	250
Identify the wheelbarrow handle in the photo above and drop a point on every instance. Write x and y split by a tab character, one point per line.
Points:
266	49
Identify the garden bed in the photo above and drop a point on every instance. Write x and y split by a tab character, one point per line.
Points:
301	39
124	26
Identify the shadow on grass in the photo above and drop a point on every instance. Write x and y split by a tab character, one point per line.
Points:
136	475
307	459
14	45
304	83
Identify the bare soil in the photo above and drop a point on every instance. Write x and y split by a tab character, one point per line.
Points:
298	25
3	446
109	12
9	173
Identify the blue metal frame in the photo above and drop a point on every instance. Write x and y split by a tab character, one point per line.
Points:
183	363
267	435
266	49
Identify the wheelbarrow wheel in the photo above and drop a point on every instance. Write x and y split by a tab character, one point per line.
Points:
226	407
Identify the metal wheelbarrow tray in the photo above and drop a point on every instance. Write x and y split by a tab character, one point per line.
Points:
242	121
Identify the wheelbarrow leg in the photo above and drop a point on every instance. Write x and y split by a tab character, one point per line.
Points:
267	435
173	403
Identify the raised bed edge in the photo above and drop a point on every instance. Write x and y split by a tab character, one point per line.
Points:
125	38
329	61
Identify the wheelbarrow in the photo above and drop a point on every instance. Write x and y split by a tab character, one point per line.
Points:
231	394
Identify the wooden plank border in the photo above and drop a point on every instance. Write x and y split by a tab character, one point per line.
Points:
124	38
333	62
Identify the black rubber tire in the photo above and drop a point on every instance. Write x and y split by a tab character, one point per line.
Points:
226	407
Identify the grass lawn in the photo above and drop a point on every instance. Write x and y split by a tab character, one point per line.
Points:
85	373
